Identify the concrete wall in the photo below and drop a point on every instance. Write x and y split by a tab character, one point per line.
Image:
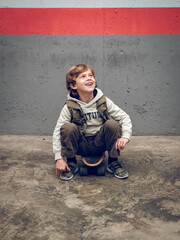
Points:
140	73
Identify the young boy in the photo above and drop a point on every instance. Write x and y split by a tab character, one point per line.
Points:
89	124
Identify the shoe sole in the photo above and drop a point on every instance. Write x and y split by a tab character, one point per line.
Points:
110	171
67	179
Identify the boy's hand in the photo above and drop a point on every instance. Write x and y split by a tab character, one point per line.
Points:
121	143
61	165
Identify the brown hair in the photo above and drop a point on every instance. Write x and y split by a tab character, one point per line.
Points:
73	73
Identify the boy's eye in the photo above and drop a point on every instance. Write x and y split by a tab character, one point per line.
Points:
83	76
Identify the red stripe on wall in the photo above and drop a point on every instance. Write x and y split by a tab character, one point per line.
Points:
89	21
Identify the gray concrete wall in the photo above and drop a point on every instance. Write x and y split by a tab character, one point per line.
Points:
139	73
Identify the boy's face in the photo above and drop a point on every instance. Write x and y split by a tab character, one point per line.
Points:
85	82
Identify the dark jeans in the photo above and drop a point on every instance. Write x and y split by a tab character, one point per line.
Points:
75	143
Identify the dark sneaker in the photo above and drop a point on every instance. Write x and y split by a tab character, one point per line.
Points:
69	175
116	168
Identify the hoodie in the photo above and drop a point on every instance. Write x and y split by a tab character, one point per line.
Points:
93	118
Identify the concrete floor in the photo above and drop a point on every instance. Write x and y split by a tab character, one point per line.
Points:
35	204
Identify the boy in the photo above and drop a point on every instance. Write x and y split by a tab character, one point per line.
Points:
89	124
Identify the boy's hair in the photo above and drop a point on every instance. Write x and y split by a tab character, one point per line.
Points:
73	73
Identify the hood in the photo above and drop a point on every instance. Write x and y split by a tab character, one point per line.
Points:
98	94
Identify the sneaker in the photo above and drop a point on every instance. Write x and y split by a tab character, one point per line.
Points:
116	168
68	175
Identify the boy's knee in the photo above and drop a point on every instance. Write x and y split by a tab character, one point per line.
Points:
111	124
68	128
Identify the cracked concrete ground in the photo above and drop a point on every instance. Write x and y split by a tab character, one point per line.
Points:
35	204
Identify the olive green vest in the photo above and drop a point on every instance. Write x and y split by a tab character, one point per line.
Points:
77	115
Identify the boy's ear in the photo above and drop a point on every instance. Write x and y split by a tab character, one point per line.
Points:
73	86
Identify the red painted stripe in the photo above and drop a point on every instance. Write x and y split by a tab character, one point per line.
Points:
89	21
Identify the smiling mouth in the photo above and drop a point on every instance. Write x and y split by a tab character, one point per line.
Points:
89	84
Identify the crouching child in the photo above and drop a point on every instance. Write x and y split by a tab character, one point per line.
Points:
89	124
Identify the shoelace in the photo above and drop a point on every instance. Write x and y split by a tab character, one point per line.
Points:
116	164
72	167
